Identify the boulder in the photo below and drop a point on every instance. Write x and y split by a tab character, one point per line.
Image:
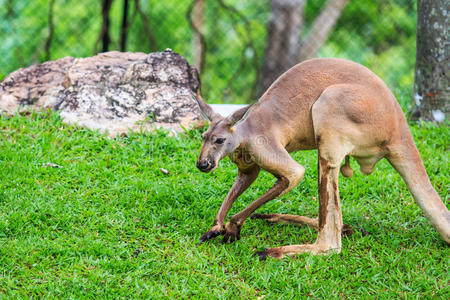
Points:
114	92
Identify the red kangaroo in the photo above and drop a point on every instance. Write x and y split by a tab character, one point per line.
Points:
336	106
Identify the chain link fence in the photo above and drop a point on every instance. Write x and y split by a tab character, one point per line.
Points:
236	45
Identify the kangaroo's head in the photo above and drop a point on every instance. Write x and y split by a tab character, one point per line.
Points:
221	138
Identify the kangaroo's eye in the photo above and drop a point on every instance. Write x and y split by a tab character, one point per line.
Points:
219	141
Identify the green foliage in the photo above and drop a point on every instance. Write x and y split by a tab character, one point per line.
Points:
382	35
24	30
378	34
2	75
108	223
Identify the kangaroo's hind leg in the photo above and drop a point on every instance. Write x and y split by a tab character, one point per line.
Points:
330	215
337	135
297	220
333	146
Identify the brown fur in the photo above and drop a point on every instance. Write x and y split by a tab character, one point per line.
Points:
323	195
337	106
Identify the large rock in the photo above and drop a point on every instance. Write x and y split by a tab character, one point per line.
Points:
114	92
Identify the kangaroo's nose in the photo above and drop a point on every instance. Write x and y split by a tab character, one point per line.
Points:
203	165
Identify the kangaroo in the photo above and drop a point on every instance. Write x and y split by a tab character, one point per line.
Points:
341	109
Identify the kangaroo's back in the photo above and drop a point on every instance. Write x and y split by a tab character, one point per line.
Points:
287	103
307	80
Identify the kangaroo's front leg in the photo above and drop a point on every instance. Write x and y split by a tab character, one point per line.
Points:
243	180
288	172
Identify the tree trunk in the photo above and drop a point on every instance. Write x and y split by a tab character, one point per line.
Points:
124	29
198	41
106	7
282	46
51	30
431	87
321	29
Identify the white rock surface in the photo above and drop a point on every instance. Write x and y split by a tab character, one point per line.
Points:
226	109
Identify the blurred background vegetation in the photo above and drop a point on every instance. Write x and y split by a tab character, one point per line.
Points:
232	35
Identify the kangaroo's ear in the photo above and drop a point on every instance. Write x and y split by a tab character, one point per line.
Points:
205	109
240	115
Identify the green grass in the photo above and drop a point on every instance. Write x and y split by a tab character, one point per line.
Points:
109	223
2	75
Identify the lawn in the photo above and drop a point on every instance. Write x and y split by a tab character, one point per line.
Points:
85	215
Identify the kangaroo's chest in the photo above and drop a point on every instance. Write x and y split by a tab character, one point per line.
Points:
242	158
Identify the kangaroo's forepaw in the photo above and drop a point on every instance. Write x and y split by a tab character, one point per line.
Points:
216	230
232	233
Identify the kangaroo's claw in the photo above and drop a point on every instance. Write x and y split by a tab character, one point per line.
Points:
231	238
232	233
347	230
216	230
209	235
262	255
